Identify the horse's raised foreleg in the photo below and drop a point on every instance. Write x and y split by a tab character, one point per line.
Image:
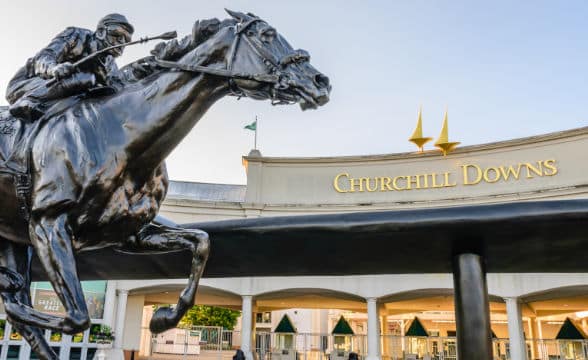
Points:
159	238
52	238
18	258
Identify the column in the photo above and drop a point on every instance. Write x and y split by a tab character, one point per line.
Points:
539	329
518	348
472	310
373	333
536	337
246	325
121	310
109	301
531	335
385	344
402	342
540	335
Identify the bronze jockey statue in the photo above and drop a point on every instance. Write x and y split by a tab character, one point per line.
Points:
31	90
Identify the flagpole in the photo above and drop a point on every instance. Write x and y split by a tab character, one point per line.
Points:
255	139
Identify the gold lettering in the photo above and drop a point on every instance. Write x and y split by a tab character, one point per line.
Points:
367	184
511	170
531	168
550	164
487	175
395	184
425	181
466	172
410	181
385	184
447	184
336	182
434	181
356	183
472	175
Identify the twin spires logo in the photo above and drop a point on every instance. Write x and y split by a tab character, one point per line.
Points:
466	174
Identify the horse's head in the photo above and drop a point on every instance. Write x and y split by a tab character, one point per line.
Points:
272	69
257	61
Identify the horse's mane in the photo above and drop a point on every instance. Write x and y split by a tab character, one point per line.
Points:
173	50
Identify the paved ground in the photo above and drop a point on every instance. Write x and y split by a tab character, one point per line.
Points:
204	355
225	355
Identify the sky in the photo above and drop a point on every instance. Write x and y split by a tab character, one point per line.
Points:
503	69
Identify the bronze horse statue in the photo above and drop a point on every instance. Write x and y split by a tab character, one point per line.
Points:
97	171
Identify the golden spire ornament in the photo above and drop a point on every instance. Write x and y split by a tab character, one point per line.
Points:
417	136
443	142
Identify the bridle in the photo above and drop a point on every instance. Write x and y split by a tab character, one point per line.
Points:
275	76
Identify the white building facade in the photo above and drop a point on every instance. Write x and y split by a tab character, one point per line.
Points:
524	307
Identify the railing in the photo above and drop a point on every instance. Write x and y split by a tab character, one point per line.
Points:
445	348
212	341
277	346
221	344
561	349
266	346
416	347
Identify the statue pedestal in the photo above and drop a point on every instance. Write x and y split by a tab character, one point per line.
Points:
109	354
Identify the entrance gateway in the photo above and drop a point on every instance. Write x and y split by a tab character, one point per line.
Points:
184	199
464	240
437	239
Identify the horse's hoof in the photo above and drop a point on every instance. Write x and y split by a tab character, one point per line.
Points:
162	320
10	281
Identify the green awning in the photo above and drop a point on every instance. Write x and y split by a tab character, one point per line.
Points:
569	331
493	334
342	327
285	326
416	329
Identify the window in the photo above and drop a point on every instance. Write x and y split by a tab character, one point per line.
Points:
34	356
91	352
263	317
75	353
13	352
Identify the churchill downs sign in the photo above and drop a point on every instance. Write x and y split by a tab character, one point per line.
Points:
466	174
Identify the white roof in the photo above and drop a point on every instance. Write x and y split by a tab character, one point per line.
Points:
206	191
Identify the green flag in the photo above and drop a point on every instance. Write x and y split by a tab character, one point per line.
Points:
252	126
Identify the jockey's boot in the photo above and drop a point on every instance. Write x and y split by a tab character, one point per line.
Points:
26	109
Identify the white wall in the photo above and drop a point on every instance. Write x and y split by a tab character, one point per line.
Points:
502	285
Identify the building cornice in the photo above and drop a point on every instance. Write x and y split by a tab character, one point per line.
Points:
429	154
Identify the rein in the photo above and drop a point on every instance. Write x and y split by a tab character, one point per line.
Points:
275	77
267	78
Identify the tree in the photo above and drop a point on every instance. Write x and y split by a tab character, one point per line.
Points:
203	315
